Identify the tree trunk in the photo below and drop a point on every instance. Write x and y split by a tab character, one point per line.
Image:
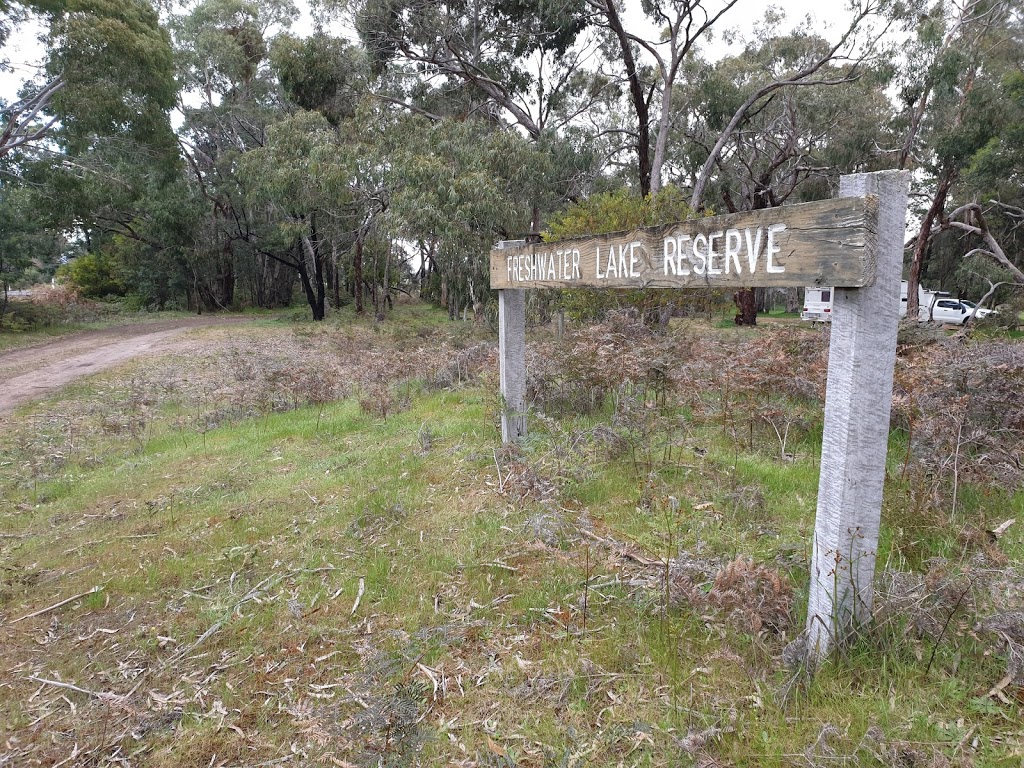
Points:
792	300
919	258
746	303
335	276
320	311
387	281
636	95
314	300
762	300
357	273
374	292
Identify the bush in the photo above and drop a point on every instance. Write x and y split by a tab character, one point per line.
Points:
23	315
94	275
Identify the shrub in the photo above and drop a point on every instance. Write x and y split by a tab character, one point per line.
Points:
94	275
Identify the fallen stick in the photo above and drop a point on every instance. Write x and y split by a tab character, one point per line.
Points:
359	596
70	687
55	606
999	530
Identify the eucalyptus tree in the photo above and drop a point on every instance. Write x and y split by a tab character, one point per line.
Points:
995	179
489	58
330	75
829	65
953	105
230	97
524	64
108	70
296	182
91	133
460	185
650	69
794	143
28	248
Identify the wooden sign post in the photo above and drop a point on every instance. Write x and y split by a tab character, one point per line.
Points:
858	400
512	357
853	243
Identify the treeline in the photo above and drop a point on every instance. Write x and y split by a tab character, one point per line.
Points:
210	158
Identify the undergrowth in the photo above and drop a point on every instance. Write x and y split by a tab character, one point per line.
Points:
299	544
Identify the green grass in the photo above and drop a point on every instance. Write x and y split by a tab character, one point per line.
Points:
231	561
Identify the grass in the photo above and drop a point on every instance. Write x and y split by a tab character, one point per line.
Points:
313	582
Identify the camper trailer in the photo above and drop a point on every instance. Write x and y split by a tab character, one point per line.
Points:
817	305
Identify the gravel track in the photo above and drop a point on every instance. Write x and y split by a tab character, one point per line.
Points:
34	372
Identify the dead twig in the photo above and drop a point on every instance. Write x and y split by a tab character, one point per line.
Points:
55	606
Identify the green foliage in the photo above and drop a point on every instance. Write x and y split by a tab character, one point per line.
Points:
94	275
794	144
320	73
459	186
117	66
618	211
28	247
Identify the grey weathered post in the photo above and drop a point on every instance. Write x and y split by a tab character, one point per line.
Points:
858	397
512	358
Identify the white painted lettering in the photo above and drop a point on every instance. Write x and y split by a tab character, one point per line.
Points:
712	270
669	258
753	249
634	260
552	275
621	270
733	243
611	267
700	260
575	265
682	263
508	266
772	248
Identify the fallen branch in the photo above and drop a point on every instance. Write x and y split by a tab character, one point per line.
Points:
1002	528
55	606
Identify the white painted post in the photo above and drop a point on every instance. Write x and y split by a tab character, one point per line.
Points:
512	358
862	356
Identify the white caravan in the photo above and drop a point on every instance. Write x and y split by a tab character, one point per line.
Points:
817	305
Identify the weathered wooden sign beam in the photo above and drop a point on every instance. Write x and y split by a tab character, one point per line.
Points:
832	242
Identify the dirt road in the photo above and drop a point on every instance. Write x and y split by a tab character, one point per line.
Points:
33	372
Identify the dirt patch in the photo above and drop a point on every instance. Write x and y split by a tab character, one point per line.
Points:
33	372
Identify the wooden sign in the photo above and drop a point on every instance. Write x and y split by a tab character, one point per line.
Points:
831	242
